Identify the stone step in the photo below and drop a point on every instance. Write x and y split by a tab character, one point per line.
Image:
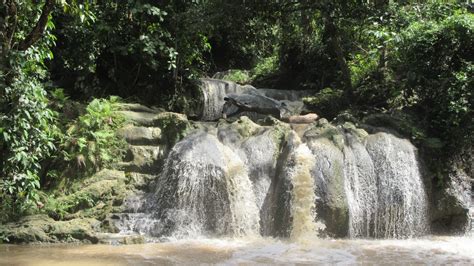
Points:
158	119
144	154
141	169
137	135
143	159
142	181
140	118
135	107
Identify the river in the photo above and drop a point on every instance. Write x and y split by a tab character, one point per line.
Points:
429	250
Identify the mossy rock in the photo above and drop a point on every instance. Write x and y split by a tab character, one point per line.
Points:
174	127
43	229
331	203
359	133
323	129
279	130
137	135
29	229
243	126
93	197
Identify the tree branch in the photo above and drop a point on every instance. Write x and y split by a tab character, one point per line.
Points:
38	30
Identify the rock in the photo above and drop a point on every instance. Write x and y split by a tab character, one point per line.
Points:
119	239
173	126
135	107
140	135
145	159
255	102
93	197
83	230
302	119
29	229
278	213
243	126
133	240
323	129
41	228
139	118
450	211
141	181
359	133
331	201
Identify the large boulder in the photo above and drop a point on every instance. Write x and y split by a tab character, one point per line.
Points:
254	102
331	202
451	203
43	229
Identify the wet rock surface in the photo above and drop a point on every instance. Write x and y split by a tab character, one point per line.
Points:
236	177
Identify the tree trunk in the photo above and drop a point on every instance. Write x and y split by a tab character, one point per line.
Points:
7	29
37	32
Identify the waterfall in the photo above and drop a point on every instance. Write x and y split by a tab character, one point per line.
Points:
384	187
241	178
213	91
224	186
402	209
205	190
303	196
361	188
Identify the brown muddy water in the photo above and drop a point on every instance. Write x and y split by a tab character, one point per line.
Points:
431	251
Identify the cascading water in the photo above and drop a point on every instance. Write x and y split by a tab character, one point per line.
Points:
241	178
231	185
303	197
205	190
213	91
402	209
385	191
361	188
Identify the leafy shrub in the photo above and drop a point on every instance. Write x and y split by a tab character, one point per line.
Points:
236	75
436	72
265	67
90	141
26	129
327	103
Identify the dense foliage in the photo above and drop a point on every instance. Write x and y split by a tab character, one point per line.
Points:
409	58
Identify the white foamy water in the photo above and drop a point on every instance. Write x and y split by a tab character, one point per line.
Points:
205	190
384	187
402	207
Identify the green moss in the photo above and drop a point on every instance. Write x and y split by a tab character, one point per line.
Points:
323	129
243	125
174	126
279	129
41	228
92	197
359	133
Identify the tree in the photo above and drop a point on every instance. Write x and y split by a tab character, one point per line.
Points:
26	122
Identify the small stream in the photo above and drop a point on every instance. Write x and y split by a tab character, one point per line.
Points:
426	251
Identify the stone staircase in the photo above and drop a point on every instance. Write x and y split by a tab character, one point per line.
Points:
150	134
